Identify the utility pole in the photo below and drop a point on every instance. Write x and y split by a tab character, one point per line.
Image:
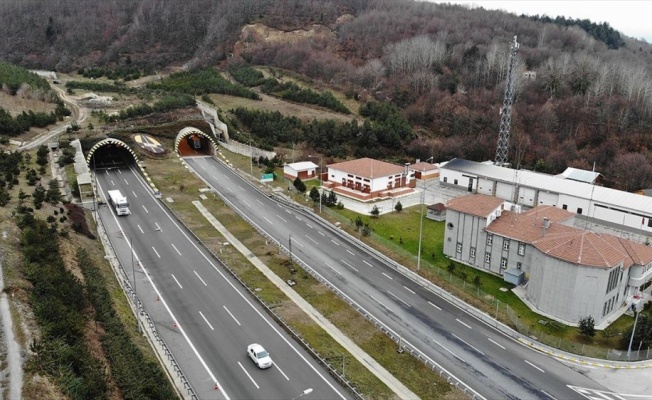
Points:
423	200
133	269
506	111
321	183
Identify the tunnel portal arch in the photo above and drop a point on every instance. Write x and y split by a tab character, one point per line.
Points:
108	142
195	140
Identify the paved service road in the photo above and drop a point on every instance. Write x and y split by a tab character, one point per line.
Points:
492	364
206	307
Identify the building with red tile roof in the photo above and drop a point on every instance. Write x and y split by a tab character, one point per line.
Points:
569	273
366	178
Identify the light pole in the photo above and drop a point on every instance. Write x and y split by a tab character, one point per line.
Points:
307	391
133	269
423	200
631	339
321	183
251	157
290	246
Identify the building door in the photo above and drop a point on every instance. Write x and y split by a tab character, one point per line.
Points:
470	184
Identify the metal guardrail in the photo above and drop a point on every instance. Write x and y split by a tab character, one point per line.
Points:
403	345
523	332
161	349
297	336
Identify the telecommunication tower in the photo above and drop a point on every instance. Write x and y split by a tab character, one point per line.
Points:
506	110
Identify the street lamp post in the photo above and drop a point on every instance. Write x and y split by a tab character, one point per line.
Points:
133	269
631	339
251	157
321	183
307	391
423	200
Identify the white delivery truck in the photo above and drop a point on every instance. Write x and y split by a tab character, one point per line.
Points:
119	202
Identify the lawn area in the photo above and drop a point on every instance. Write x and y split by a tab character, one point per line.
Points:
175	182
397	235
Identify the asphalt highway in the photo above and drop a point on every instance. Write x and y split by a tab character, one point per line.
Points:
492	364
203	307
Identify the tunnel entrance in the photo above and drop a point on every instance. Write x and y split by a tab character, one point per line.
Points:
193	142
110	153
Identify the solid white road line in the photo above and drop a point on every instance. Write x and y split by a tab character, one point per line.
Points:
334	270
454	355
408	289
434	306
466	343
497	344
387	276
468	326
159	256
208	323
534	366
175	247
145	208
281	371
397	298
378	301
549	395
367	263
252	379
236	321
175	279
141	229
202	281
349	265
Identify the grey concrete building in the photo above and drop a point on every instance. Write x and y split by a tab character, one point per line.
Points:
568	273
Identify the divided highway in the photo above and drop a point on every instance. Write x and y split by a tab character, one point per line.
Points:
492	364
202	306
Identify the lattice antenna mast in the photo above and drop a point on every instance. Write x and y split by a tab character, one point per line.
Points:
506	112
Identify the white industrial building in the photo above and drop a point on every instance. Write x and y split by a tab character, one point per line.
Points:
604	205
366	179
566	273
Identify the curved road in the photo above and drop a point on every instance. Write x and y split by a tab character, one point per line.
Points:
494	365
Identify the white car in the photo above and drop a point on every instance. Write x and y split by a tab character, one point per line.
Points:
259	356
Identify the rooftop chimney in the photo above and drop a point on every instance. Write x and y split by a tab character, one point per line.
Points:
545	226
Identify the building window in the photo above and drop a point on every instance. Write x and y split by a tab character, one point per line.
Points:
519	265
445	179
459	247
564	207
579	210
649	222
503	263
521	249
505	244
455	181
472	252
487	257
490	239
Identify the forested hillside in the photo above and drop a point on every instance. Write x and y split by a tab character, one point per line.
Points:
587	97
